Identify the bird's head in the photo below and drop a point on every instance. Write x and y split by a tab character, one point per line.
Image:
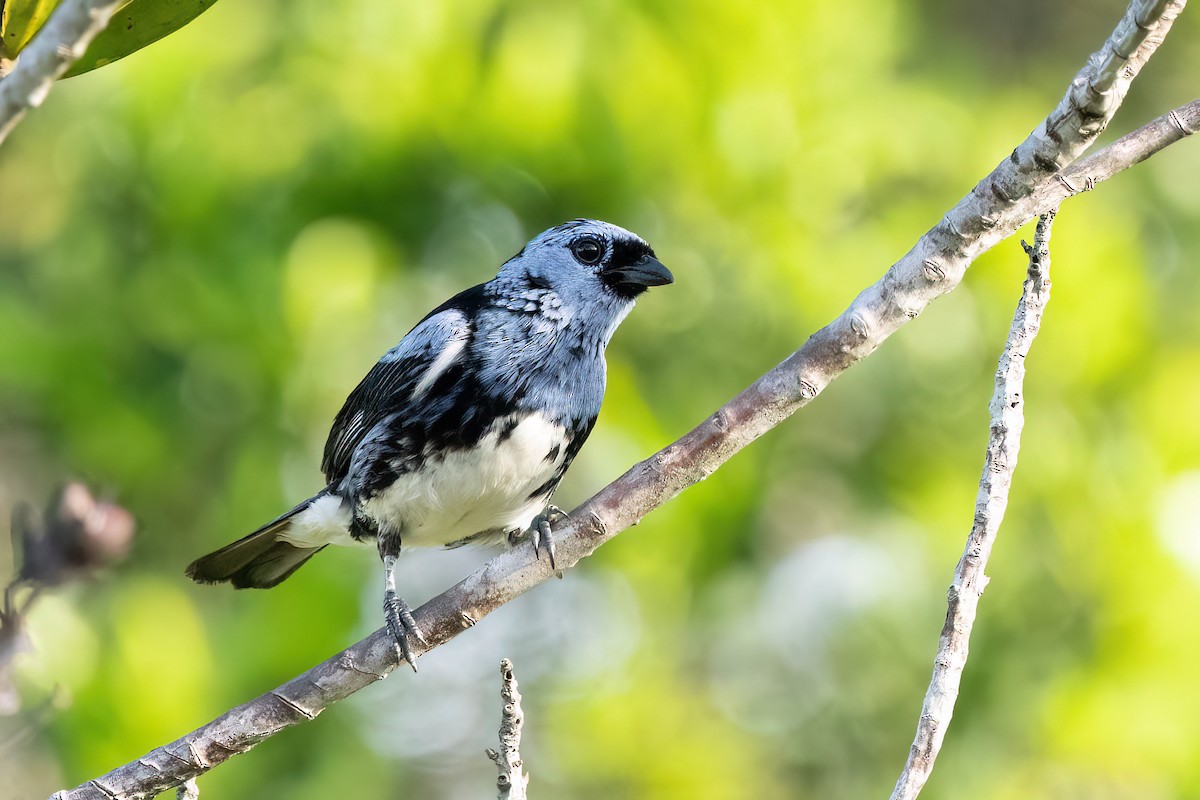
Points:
587	262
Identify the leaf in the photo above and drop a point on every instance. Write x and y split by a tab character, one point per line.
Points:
21	19
138	24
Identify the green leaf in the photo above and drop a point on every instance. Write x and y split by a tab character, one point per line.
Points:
138	24
21	19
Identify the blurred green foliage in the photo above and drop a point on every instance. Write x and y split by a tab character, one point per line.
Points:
204	247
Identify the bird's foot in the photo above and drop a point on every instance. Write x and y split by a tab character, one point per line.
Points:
400	623
542	533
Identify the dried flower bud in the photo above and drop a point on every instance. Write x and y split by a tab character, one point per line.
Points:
79	534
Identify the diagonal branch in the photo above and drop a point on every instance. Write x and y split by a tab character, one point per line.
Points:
1133	148
1007	421
1012	194
58	45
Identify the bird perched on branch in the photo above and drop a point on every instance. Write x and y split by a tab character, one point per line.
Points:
462	431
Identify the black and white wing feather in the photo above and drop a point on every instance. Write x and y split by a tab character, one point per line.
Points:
397	383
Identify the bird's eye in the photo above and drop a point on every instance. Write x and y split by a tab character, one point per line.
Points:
587	250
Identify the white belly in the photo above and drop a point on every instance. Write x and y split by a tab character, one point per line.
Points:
451	497
467	492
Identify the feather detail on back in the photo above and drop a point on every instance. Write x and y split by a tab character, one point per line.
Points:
404	374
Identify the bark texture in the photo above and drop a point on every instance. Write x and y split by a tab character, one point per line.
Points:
512	783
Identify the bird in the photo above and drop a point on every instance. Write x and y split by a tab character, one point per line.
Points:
462	432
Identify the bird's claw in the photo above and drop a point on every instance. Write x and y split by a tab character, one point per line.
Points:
400	623
542	533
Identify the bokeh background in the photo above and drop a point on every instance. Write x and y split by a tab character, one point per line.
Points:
205	246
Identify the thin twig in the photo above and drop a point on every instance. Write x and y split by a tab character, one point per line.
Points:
1007	420
935	266
512	783
60	43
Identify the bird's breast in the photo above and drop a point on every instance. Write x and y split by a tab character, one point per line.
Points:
499	483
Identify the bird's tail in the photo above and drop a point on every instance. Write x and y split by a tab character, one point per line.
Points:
258	561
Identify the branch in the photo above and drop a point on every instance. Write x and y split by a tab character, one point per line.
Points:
512	782
1133	148
58	45
1007	421
994	209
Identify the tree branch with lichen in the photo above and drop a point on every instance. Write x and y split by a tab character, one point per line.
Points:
1024	185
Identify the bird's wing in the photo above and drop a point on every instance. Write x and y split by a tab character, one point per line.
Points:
402	378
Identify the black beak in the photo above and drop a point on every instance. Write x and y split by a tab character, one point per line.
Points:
645	272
